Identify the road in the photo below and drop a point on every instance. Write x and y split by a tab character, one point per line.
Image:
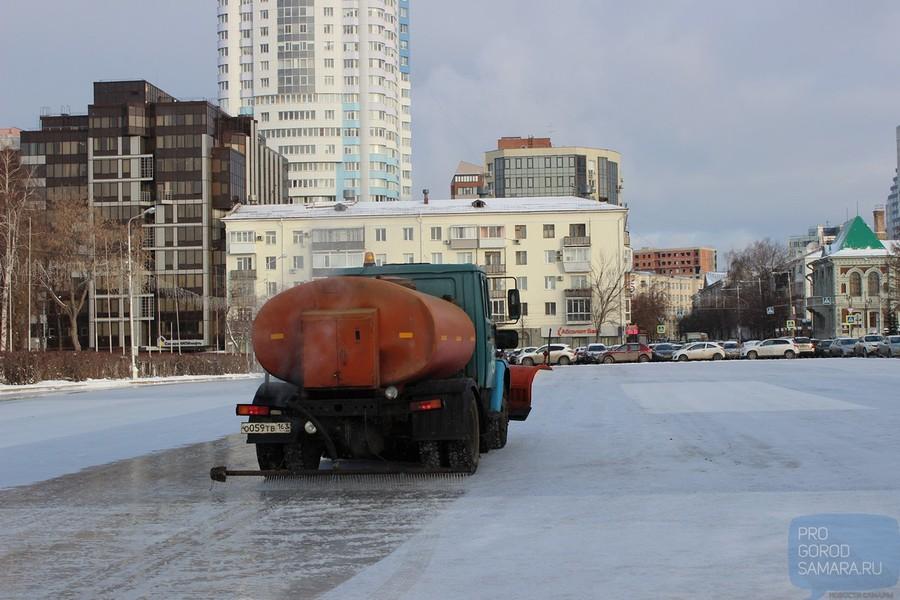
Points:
627	481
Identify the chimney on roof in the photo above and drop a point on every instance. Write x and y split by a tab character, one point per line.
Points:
878	222
425	195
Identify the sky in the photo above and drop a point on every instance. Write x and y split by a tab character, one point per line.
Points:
736	120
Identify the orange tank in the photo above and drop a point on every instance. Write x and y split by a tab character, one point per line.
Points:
360	332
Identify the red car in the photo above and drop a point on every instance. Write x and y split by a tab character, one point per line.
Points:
630	352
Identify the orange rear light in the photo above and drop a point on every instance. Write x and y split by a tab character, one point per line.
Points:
423	405
251	410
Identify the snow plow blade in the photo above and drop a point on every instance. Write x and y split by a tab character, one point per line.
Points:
520	380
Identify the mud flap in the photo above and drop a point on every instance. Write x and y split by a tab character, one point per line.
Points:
520	381
446	423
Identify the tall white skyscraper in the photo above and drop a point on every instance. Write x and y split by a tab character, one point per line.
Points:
299	66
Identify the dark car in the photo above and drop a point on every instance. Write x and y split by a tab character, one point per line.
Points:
630	352
842	347
663	351
822	347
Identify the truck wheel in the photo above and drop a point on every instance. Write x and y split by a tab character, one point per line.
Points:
430	455
464	454
499	429
304	455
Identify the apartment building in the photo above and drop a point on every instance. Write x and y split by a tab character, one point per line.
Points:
138	147
676	261
893	200
533	167
548	247
467	182
301	67
678	290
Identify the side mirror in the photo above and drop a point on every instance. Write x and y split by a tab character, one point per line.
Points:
505	339
513	305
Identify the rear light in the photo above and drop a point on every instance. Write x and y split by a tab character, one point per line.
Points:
251	410
423	405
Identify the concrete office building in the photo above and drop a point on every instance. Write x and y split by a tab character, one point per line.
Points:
299	67
533	167
549	245
138	147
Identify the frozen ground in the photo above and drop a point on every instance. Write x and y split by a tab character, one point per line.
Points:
627	481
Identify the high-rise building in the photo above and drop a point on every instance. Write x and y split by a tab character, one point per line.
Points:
140	147
299	66
533	167
468	181
892	209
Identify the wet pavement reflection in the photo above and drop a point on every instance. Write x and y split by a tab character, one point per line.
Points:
156	526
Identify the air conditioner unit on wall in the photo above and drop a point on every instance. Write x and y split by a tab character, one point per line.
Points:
447	242
559	277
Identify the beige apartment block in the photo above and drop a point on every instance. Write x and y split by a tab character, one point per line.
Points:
548	247
679	291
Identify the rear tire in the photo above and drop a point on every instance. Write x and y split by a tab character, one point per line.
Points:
716	357
464	454
270	457
789	354
563	360
643	358
430	455
304	455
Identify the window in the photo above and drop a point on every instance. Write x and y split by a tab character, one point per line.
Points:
242	237
549	231
271	288
577	254
435	233
380	259
522	283
521	232
408	257
270	263
550	282
437	258
463	232
579	282
464	258
270	237
578	310
298	262
550	256
298	237
524	309
550	308
521	257
244	263
498	310
380	234
408	234
577	230
855	284
873	284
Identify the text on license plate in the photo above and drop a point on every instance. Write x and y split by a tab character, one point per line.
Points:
277	427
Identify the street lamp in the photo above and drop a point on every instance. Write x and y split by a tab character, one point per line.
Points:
146	212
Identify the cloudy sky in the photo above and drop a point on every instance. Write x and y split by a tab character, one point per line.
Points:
736	120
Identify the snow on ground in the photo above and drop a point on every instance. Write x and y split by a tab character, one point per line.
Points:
60	385
48	435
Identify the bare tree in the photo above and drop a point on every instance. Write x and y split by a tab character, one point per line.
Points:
16	193
648	308
607	284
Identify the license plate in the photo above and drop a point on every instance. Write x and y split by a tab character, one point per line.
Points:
277	427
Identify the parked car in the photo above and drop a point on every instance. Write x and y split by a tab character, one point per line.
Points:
732	349
700	351
842	347
593	351
867	345
663	351
890	346
774	348
805	346
630	352
559	354
516	354
746	346
822	347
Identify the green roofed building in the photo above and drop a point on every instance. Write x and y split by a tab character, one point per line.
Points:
851	284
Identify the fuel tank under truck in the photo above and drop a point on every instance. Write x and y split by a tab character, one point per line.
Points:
361	332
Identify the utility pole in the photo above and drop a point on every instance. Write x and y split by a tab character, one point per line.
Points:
29	285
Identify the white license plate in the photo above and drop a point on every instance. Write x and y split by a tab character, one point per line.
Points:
277	427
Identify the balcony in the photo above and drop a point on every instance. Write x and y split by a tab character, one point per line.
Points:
494	269
463	243
243	275
492	242
576	266
577	292
577	240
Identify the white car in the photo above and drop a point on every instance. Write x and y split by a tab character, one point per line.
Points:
747	346
774	348
867	345
699	351
560	354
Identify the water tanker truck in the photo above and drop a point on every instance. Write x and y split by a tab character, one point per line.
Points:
391	362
